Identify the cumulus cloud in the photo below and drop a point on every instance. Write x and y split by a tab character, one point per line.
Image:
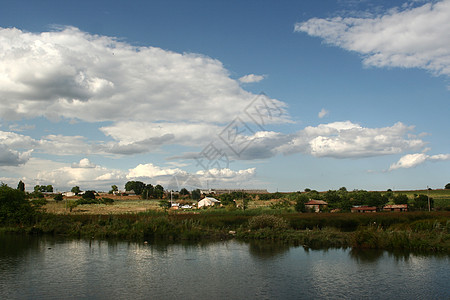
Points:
150	171
76	75
408	37
323	113
84	163
250	78
350	140
9	157
337	139
133	134
412	160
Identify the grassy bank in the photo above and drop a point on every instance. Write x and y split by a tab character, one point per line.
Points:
418	231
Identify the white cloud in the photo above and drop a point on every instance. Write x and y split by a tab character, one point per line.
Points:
250	78
84	163
412	160
146	135
349	140
151	171
323	113
76	75
337	139
408	37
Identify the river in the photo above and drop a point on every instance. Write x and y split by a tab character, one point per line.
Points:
55	268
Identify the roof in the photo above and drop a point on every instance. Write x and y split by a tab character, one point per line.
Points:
364	208
316	202
211	199
396	206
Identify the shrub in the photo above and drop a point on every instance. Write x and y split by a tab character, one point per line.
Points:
58	197
89	195
107	200
267	221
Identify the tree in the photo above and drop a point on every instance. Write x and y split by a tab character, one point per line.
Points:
421	202
159	191
44	188
300	203
148	192
114	188
14	207
196	194
76	190
184	192
447	186
136	186
21	186
400	199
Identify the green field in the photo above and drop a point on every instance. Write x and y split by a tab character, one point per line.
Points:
441	197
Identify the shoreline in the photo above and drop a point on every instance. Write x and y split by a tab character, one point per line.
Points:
424	232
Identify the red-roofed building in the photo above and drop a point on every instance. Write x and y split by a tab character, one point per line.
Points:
315	205
364	209
396	207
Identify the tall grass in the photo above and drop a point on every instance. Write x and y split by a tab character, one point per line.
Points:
413	230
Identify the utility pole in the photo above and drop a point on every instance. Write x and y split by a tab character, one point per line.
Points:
428	196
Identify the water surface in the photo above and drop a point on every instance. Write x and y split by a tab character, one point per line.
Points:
50	268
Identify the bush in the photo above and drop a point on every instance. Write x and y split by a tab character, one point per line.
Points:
267	221
58	197
107	200
88	195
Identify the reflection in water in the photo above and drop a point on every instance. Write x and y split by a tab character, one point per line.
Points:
264	249
49	268
366	255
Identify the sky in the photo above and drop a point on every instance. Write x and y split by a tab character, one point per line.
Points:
276	95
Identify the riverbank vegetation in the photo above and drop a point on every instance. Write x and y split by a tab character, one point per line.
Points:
280	220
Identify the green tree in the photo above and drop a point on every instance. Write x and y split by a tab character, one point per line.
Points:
76	190
447	186
21	186
58	197
196	194
300	203
14	207
136	186
421	202
114	188
159	191
400	199
44	188
148	192
184	192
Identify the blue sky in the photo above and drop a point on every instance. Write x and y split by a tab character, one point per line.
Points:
227	94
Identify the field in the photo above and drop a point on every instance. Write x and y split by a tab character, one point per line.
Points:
121	205
134	204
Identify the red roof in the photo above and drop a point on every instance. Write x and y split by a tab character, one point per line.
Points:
364	208
396	206
316	202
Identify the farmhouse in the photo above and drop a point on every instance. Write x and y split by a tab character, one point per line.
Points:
396	207
315	205
207	201
364	209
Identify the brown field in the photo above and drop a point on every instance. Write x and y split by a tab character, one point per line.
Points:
121	205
